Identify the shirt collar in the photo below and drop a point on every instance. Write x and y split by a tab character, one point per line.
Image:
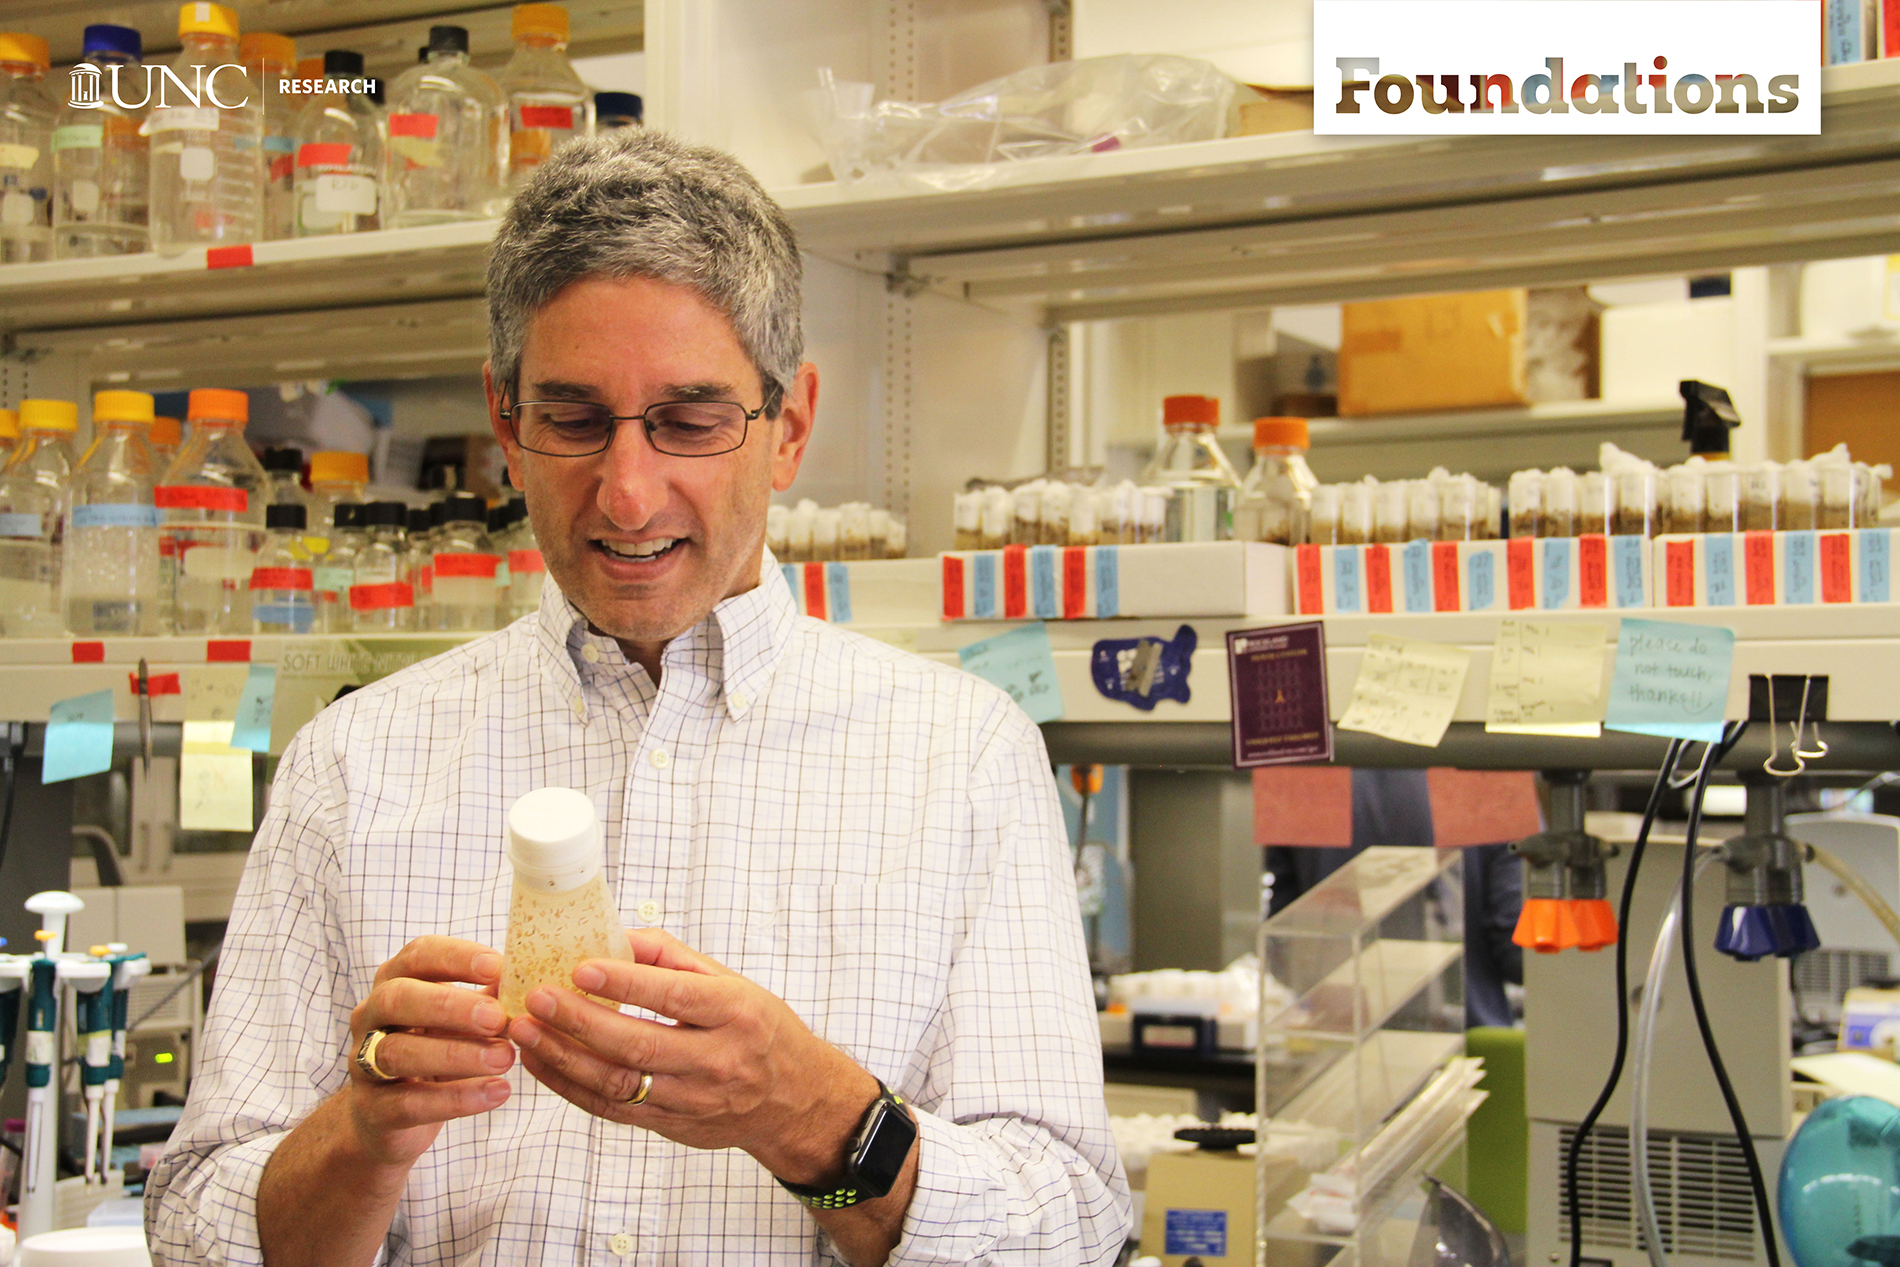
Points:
738	646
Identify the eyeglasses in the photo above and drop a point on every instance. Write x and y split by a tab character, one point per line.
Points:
678	428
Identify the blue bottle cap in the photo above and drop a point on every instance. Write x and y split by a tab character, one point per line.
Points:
102	38
626	105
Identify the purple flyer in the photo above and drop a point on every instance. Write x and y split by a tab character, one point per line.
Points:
1278	681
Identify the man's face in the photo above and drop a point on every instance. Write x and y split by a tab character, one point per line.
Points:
629	343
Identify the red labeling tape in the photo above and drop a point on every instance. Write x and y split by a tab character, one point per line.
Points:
89	653
952	587
381	597
1593	570
1015	582
815	590
526	561
1075	582
418	125
1758	558
1837	571
480	566
1679	573
229	256
323	154
201	497
1378	579
1520	570
281	579
156	684
228	651
1445	576
560	118
1312	588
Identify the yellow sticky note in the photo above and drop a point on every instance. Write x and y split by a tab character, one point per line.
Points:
212	692
1407	690
214	779
1547	679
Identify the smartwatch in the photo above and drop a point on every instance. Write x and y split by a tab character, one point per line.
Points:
877	1157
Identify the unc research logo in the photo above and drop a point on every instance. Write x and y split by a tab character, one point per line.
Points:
164	87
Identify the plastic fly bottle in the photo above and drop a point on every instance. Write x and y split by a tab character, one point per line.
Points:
561	914
110	571
207	186
100	161
339	155
283	589
26	150
446	152
463	567
213	502
381	600
33	496
1278	495
268	59
547	102
1192	467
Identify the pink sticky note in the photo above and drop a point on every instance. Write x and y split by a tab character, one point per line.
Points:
1302	805
1477	807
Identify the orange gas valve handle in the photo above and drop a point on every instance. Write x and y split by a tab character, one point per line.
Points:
1596	924
1548	925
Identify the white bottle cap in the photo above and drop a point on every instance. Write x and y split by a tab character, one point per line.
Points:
554	839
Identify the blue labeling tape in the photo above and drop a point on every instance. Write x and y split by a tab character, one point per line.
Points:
297	617
115	515
1346	590
1797	567
1557	553
838	593
1626	567
1718	566
1045	603
1874	571
983	586
1481	581
17	524
1415	572
1108	582
791	582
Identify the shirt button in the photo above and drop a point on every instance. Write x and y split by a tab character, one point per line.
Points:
580	709
650	911
590	653
739	704
659	759
620	1243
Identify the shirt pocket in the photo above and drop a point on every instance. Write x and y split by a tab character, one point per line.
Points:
865	965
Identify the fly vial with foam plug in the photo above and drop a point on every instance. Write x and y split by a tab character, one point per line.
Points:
561	914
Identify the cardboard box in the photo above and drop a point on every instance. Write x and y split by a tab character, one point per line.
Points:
1276	110
1201	1205
1203	578
1432	352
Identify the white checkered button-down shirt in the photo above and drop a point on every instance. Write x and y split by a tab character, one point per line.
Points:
874	838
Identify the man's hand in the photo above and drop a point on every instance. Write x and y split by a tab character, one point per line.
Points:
739	1070
447	1057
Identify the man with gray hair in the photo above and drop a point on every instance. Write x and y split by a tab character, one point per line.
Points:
852	1020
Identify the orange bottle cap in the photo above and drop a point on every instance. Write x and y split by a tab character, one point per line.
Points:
538	19
18	46
267	46
1196	409
219	403
339	468
9	425
1280	433
166	431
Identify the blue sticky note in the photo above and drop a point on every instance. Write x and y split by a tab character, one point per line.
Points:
1108	582
1671	679
1481	580
1022	663
1718	564
78	737
1874	572
1045	602
251	728
1415	572
838	593
792	583
983	585
1557	553
1626	569
1797	567
1346	595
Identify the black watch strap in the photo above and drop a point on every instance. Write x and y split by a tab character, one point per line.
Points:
878	1152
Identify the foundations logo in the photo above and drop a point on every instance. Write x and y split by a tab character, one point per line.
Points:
1575	67
90	88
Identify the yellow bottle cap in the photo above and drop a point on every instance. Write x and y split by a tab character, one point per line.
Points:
219	403
339	468
17	46
207	19
121	406
167	431
263	46
9	425
539	19
49	415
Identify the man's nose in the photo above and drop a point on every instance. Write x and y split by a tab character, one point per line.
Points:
632	477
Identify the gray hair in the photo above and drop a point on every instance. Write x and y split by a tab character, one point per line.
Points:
633	203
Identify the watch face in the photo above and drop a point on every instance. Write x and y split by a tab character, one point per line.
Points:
888	1142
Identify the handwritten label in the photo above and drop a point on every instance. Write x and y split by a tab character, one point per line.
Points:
1346	590
983	587
1797	562
1075	583
1022	663
815	590
1044	605
1718	568
1679	573
1108	586
1520	571
1480	581
78	738
1310	587
1445	576
1671	679
115	515
1407	690
1626	569
1415	575
1758	565
1015	583
1547	679
251	727
1874	570
1378	579
838	592
1557	551
1837	568
952	587
1592	571
214	779
382	597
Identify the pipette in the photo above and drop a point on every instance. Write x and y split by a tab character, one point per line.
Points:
92	1009
13	970
42	1054
126	968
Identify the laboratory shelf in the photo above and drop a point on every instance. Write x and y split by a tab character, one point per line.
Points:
1877	350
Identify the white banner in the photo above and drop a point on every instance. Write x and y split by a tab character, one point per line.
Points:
1566	67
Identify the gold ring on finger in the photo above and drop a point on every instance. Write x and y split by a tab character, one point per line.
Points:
640	1096
366	1056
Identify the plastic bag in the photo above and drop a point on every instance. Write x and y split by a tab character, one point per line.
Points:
963	142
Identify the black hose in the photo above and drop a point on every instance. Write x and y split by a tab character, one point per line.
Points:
1573	1159
9	769
1756	1181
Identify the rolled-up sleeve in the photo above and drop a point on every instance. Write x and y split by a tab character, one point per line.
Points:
1016	1163
273	1039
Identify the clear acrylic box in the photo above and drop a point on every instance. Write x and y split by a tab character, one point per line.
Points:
1361	1083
